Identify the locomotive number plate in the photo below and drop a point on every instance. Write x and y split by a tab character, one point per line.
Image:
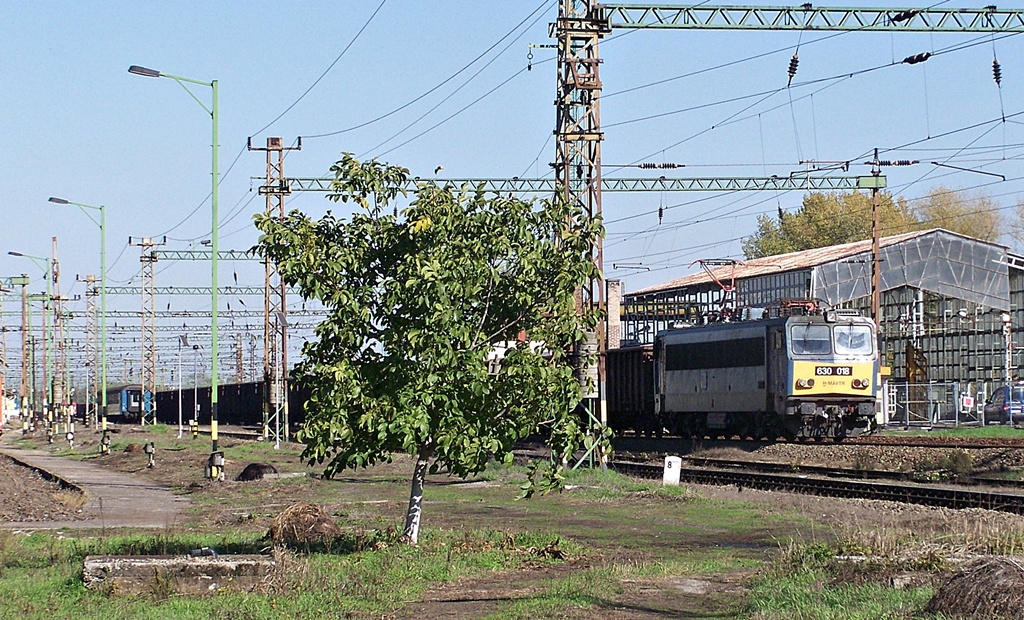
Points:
833	371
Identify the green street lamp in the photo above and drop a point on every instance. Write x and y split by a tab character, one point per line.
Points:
102	223
212	111
44	264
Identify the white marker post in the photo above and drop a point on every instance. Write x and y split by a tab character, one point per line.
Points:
672	467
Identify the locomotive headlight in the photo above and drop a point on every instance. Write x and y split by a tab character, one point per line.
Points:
861	384
803	384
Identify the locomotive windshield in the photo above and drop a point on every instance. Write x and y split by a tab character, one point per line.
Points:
853	339
810	339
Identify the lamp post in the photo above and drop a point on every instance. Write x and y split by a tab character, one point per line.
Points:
44	264
212	111
102	223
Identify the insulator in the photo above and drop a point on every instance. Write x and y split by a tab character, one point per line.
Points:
916	58
997	73
661	213
794	62
903	16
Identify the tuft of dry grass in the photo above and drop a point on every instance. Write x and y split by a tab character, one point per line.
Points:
987	587
303	524
73	500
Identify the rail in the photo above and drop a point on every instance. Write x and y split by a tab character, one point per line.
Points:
928	495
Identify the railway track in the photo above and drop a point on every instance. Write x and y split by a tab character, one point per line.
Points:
928	495
641	444
837	472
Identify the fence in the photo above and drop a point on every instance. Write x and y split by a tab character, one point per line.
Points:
930	404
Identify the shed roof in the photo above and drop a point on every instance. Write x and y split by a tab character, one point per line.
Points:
779	263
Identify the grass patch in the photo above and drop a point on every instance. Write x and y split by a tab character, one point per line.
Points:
997	431
41	574
813	594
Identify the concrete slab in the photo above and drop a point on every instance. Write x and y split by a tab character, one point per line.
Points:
115	499
187	575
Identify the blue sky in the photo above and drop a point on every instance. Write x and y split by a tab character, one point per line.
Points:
78	125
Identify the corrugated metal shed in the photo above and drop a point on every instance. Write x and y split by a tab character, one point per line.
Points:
934	260
781	262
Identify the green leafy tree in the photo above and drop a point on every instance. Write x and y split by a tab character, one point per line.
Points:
826	219
418	303
971	214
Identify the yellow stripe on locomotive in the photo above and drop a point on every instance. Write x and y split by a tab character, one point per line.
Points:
809	378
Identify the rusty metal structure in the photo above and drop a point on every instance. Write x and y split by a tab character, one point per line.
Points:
275	302
92	291
148	260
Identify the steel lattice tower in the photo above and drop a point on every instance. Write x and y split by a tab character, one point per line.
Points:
91	352
577	165
148	260
239	359
275	330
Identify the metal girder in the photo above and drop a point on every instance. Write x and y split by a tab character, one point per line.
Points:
201	314
638	184
12	281
807	17
275	303
204	255
124	330
189	290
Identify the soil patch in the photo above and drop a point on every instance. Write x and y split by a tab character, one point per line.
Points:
25	495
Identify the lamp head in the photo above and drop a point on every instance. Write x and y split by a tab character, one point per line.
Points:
12	253
143	71
58	201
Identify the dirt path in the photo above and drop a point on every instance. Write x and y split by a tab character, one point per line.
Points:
114	499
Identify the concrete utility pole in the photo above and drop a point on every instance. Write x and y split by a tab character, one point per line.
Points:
877	182
60	397
275	329
148	260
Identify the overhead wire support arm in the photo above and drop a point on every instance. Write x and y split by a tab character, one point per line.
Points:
189	290
204	255
807	17
638	184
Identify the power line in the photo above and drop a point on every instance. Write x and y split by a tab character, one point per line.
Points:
452	94
324	74
433	89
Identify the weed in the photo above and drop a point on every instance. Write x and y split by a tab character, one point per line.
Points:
959	461
864	462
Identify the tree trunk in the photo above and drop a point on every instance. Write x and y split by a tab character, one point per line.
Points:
412	516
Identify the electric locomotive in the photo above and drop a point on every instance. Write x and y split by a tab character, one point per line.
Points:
810	376
124	402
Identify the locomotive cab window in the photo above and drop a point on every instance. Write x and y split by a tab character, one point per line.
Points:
853	339
810	339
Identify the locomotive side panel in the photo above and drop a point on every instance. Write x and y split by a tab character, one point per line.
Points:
714	379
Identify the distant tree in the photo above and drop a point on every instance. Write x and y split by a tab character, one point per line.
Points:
1016	226
826	219
417	304
971	214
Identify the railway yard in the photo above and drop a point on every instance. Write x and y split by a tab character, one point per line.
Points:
707	549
